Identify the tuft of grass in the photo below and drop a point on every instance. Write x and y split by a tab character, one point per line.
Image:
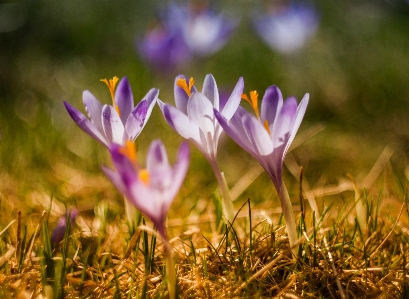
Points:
248	259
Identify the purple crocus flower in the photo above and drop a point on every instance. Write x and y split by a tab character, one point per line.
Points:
193	118
163	48
287	29
204	30
267	137
119	122
153	189
58	233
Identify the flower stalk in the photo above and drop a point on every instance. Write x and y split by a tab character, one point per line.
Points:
227	202
194	119
288	213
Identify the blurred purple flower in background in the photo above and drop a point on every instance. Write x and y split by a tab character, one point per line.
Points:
115	123
163	47
59	232
287	27
153	189
204	30
183	32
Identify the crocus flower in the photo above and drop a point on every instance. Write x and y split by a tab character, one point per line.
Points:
58	233
163	48
193	118
119	122
287	29
267	137
153	189
205	31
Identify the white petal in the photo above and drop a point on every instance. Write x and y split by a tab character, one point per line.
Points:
180	122
200	111
113	126
94	109
257	135
234	100
210	90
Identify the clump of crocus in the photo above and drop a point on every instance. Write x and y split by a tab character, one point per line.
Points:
193	118
286	28
267	137
59	231
153	189
116	123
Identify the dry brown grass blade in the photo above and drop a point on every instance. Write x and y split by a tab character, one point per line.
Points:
305	135
261	272
376	170
132	244
111	236
36	233
245	181
7	227
393	227
7	256
18	236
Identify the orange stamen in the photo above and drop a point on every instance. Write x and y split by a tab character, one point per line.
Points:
129	150
266	126
181	82
111	83
144	176
253	101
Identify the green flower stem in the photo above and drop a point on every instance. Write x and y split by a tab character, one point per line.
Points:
170	265
289	217
227	202
131	215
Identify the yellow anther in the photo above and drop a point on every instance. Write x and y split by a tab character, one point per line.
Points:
111	83
181	82
266	126
144	176
129	150
253	101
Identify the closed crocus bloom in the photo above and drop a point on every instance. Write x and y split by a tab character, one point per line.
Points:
153	189
115	123
193	118
267	137
59	231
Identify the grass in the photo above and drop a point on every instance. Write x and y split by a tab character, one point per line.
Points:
249	259
350	198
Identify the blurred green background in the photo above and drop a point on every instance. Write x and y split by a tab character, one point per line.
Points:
356	69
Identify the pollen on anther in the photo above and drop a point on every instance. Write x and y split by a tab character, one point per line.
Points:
111	84
129	150
144	176
267	126
253	101
181	82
